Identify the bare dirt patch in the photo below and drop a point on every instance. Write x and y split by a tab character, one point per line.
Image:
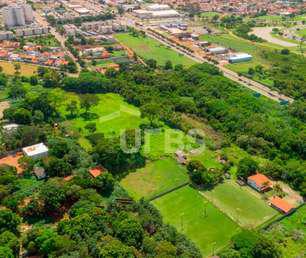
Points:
3	105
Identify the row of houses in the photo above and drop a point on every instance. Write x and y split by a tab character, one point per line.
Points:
35	54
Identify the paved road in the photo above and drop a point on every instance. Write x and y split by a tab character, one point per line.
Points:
253	85
265	33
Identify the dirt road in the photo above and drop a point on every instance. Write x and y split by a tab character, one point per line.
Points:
3	105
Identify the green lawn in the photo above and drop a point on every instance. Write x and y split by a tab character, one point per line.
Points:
208	158
241	204
155	178
197	218
302	33
166	142
46	41
112	116
290	234
148	48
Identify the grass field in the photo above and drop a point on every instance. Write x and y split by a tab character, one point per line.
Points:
113	115
240	45
241	204
46	41
302	33
208	158
155	178
290	234
148	48
197	218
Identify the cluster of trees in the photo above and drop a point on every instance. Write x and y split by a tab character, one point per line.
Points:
98	225
243	31
256	125
251	244
202	177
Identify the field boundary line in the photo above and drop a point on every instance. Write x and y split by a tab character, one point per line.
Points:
167	192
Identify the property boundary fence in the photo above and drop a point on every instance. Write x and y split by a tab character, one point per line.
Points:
168	191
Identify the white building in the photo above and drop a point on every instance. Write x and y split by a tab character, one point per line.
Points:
39	150
10	127
240	57
217	50
17	15
6	35
158	7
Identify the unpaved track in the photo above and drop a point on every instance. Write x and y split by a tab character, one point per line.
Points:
265	33
3	105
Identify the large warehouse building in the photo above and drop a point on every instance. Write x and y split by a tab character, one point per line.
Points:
156	11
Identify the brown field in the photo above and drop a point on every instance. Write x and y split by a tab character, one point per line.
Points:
12	160
26	69
3	105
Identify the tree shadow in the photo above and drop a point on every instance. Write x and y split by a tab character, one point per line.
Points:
89	116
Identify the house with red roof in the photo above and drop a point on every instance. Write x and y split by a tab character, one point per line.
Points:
259	182
96	171
281	205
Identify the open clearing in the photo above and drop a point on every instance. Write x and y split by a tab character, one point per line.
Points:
113	116
240	203
148	48
155	178
25	69
3	106
196	217
265	33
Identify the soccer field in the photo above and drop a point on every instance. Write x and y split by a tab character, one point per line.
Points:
148	48
196	217
242	204
155	178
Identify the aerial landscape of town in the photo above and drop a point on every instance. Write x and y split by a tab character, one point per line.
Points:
152	128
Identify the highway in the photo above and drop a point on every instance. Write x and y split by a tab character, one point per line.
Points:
252	85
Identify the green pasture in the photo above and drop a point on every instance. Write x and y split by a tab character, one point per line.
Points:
149	48
155	178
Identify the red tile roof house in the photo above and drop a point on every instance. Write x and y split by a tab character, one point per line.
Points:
96	171
259	182
281	205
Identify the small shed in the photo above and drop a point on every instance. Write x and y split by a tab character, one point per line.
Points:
181	157
40	173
